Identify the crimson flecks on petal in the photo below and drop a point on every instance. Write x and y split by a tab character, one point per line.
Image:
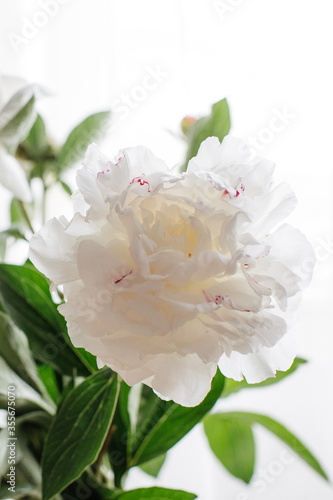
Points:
166	276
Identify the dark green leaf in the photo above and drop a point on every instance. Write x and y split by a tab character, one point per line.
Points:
47	376
282	433
232	442
17	128
118	446
232	386
88	131
25	295
78	431
154	466
155	494
87	487
216	124
169	423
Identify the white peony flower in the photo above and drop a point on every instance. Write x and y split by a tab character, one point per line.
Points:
15	94
166	275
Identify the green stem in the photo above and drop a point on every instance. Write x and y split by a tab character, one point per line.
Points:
44	203
25	215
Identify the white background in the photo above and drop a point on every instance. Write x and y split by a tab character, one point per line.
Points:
265	57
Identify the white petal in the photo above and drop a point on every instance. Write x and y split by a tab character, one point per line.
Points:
142	161
258	366
97	266
12	176
52	251
185	380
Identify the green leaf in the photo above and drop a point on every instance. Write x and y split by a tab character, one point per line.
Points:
169	422
155	494
87	487
25	295
16	352
118	446
12	233
78	431
282	433
26	398
47	376
216	124
232	386
66	188
22	492
35	144
154	466
16	129
232	442
3	452
88	131
17	216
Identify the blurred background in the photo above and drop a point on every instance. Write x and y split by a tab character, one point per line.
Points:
154	61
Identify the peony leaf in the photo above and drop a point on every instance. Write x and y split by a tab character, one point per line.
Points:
91	129
17	216
154	494
232	442
16	129
26	398
35	145
16	352
154	466
78	431
25	295
216	124
48	377
169	423
282	433
232	386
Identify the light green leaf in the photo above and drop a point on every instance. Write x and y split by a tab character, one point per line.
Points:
27	464
25	295
232	442
232	386
26	398
12	233
154	466
282	433
216	124
155	494
3	452
168	422
18	217
16	129
88	131
16	352
66	188
35	146
78	431
22	492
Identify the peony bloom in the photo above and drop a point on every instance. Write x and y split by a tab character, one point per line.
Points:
15	94
167	275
